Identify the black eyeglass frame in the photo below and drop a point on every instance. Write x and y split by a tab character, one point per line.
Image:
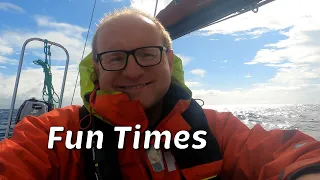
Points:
132	52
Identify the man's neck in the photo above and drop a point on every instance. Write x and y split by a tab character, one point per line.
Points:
154	113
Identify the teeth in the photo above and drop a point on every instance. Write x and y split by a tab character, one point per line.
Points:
134	87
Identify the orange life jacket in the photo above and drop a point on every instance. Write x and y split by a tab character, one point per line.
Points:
112	163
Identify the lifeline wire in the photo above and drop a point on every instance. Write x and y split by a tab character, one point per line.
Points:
84	48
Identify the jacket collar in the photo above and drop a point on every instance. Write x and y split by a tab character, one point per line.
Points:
119	110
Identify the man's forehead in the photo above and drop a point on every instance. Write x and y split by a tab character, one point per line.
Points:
127	28
129	20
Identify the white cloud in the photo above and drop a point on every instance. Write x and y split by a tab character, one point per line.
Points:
225	61
5	60
3	67
5	48
248	76
250	34
240	39
10	7
65	28
198	72
191	84
185	59
263	94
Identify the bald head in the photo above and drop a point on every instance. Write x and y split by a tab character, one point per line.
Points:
128	32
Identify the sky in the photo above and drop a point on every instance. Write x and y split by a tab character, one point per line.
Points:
269	57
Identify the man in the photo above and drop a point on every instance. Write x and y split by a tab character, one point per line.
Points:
133	79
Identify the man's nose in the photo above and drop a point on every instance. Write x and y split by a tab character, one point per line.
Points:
133	70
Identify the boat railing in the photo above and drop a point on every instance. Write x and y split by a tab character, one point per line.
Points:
18	78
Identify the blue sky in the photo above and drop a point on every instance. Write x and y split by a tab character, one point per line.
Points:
270	57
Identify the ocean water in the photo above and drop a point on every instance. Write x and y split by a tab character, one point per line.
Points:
304	117
4	116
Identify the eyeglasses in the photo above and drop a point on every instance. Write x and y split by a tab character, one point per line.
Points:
118	59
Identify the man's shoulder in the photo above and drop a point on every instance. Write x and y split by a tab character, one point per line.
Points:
72	108
65	115
220	118
67	110
214	114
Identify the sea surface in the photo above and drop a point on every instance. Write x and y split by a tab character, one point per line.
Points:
304	117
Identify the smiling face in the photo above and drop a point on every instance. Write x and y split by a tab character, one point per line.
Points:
146	84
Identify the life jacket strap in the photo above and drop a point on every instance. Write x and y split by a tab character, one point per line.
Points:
100	163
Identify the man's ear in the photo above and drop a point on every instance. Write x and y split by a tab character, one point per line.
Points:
170	57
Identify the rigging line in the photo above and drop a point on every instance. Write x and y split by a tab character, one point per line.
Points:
84	48
155	10
244	10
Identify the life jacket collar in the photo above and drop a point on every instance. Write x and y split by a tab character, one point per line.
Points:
118	109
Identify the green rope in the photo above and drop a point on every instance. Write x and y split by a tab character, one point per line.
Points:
48	89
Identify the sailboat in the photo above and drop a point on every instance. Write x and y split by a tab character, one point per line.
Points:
179	17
